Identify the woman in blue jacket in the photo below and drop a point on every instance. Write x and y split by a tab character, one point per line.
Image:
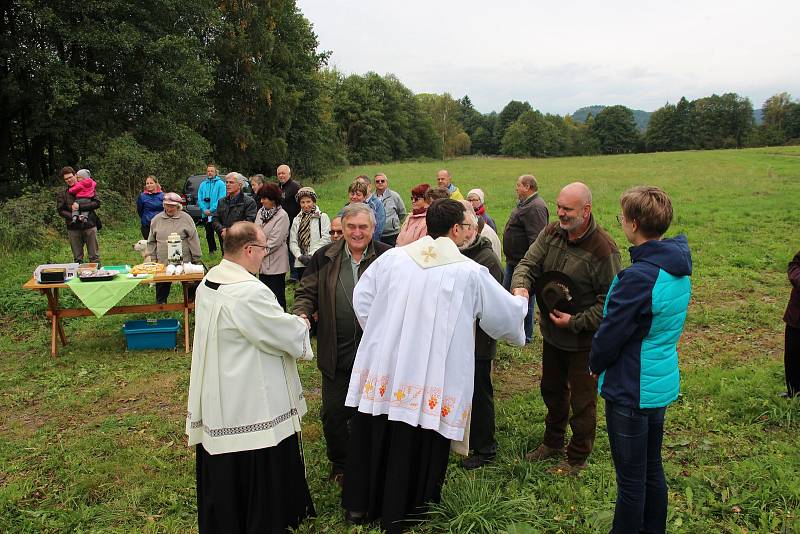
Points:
634	352
149	204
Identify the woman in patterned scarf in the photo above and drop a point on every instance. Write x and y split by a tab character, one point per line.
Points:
310	229
274	222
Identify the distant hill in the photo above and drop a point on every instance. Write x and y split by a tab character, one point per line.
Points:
641	117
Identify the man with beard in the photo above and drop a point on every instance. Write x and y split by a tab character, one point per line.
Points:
577	247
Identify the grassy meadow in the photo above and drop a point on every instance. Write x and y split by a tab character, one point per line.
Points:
92	441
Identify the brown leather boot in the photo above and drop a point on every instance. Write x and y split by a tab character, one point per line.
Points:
543	452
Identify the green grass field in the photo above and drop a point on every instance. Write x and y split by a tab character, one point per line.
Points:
92	441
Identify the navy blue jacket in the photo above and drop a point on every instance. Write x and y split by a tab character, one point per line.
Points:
635	348
148	205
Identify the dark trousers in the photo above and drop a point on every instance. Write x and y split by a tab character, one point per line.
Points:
791	360
163	288
635	436
482	426
145	231
390	240
393	471
277	284
162	292
336	418
293	274
210	233
529	319
566	383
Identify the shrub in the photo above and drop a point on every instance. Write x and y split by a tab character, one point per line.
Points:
27	220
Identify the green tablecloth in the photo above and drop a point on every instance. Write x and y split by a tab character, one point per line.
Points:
102	296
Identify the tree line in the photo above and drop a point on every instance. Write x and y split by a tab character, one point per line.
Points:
136	88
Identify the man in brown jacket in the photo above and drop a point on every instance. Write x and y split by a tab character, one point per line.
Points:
577	247
327	288
523	227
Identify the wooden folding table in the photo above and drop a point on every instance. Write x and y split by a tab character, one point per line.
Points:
56	313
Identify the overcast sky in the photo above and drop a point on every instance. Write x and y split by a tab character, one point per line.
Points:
563	55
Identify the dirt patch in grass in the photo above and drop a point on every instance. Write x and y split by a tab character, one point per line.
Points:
158	394
515	377
704	346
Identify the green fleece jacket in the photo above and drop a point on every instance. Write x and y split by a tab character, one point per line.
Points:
591	261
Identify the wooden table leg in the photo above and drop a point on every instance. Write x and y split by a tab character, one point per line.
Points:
185	316
59	324
56	329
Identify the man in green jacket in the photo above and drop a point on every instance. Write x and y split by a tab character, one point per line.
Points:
577	247
327	289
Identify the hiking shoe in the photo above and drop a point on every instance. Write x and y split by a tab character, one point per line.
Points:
477	460
543	452
567	468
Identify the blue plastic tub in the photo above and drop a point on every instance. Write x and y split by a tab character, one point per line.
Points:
150	334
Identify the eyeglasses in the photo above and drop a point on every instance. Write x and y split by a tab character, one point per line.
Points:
336	232
380	181
465	225
414	199
265	247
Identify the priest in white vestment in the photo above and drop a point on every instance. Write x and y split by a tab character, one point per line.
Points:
412	379
245	397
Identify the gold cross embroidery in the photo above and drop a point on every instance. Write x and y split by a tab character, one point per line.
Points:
429	254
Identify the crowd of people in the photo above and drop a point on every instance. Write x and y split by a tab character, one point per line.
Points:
407	308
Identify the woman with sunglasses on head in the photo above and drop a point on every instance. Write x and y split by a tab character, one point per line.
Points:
415	226
274	223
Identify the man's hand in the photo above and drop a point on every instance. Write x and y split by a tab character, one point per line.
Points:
304	317
520	292
222	233
560	319
207	212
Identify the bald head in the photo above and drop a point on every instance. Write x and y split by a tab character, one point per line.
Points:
443	178
574	206
246	245
579	190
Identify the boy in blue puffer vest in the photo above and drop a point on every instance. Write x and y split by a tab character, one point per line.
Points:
634	352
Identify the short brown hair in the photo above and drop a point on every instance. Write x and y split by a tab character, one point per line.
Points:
67	170
271	192
358	187
650	207
241	233
419	190
435	193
